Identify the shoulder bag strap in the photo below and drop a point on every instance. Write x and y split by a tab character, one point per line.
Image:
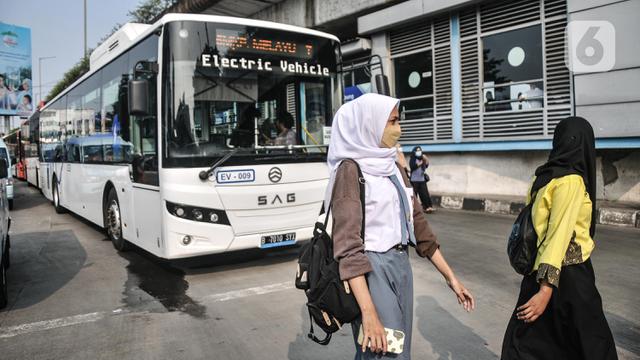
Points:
361	182
533	200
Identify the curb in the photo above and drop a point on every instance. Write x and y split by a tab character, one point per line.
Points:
606	216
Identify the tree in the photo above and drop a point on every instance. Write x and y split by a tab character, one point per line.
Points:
79	69
148	10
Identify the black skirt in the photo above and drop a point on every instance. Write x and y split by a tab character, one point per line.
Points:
572	326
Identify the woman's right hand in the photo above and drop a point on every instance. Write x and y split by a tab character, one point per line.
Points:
374	334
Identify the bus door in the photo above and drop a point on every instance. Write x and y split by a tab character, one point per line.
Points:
147	206
70	195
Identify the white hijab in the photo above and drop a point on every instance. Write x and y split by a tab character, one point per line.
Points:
356	133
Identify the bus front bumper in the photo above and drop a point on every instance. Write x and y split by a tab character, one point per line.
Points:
187	238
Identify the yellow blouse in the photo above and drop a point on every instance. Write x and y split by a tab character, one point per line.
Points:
561	215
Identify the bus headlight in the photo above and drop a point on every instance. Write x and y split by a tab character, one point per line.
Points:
196	213
180	211
186	240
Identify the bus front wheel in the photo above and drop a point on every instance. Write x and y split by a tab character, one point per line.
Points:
113	222
56	198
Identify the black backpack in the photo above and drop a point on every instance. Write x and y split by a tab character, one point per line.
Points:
522	246
329	300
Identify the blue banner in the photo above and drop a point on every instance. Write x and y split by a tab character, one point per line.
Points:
16	97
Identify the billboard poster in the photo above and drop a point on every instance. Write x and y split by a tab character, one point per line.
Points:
16	97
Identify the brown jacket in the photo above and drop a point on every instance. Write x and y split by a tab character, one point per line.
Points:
348	247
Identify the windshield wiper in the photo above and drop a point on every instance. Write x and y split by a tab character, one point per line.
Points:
204	174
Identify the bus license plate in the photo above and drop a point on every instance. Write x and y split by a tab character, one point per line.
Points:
269	241
235	176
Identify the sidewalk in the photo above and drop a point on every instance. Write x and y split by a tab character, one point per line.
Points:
609	213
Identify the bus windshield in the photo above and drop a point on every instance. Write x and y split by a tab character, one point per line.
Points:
230	87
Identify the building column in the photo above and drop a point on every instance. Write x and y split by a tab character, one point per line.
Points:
456	81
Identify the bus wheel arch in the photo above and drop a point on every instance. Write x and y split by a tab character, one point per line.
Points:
105	198
55	195
112	218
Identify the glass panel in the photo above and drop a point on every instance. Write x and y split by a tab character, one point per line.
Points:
522	96
224	82
416	109
92	153
513	56
52	130
144	129
413	75
91	105
314	113
359	83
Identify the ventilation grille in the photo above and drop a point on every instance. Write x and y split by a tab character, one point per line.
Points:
554	116
291	100
411	37
442	92
442	30
417	131
470	82
537	123
503	14
516	124
555	8
468	22
558	92
113	45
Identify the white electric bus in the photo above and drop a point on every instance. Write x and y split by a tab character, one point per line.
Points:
196	135
31	160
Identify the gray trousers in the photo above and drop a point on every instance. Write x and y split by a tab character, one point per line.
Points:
391	287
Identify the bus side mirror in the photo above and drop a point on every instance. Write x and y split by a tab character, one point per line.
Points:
4	172
382	85
13	160
138	97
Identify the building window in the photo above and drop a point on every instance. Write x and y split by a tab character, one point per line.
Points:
513	71
414	85
357	81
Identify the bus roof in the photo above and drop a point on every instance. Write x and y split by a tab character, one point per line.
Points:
182	17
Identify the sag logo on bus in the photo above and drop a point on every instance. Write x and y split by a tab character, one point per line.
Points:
264	199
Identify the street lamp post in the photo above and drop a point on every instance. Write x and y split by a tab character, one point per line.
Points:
40	75
85	29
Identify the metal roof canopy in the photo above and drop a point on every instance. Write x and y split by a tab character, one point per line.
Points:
237	8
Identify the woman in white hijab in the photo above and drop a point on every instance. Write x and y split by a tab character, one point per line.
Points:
377	267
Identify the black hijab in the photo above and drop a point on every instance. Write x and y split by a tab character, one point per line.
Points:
573	152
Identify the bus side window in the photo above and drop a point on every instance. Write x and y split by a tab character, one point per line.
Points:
143	130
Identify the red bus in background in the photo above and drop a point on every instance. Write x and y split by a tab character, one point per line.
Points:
13	142
22	147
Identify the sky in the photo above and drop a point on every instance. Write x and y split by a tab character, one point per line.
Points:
57	30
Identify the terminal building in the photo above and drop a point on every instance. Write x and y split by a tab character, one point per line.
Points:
483	83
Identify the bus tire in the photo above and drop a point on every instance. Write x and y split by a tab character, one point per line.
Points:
55	194
113	222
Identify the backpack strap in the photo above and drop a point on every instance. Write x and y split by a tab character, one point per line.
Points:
313	337
361	183
533	200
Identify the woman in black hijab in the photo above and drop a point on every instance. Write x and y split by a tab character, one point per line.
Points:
559	311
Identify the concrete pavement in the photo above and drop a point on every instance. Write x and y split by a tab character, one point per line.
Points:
72	296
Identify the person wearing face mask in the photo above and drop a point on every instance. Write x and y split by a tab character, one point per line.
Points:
419	163
377	267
